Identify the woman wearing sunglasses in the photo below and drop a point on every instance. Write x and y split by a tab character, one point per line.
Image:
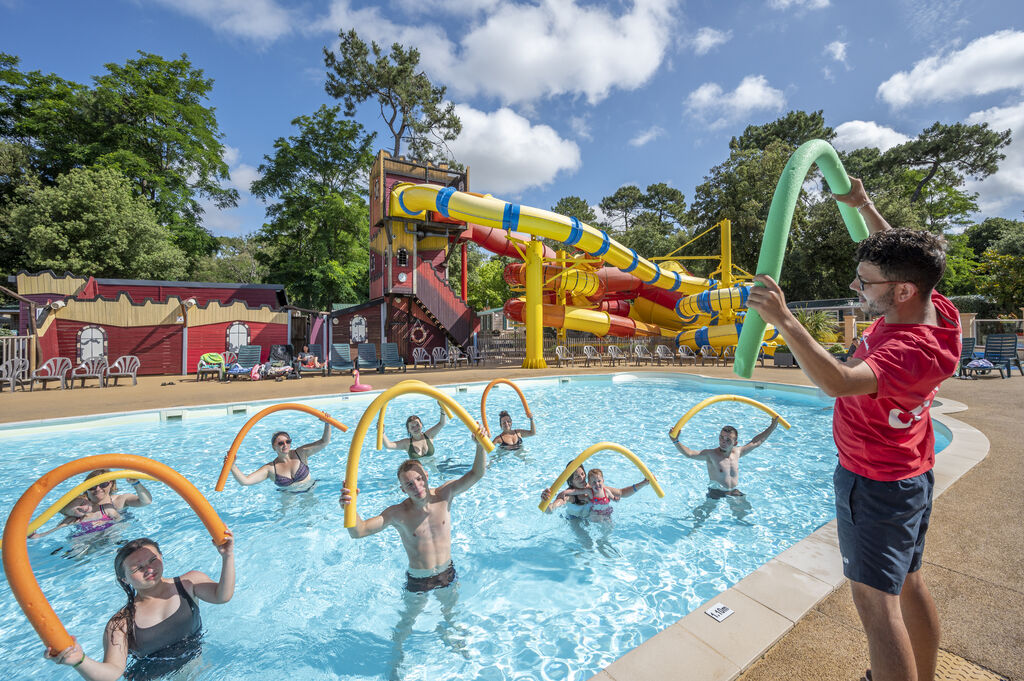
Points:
107	504
290	470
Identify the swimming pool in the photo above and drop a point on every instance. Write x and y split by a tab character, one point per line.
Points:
540	596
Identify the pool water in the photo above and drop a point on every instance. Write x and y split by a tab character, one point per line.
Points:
538	596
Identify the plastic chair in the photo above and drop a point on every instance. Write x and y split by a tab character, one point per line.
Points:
562	354
53	369
125	366
686	354
95	367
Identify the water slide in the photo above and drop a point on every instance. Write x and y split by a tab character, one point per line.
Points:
629	272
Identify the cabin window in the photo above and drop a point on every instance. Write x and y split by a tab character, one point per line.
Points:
92	343
238	335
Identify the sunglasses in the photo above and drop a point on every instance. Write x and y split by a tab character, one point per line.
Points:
283	442
102	485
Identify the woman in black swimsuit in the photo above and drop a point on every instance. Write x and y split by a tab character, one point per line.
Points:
160	625
420	443
512	439
290	470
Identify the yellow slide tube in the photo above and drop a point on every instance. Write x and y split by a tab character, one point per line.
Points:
229	458
586	454
410	200
17	567
403	388
483	401
674	433
55	508
384	409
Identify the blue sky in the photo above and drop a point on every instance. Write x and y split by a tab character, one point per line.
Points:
561	97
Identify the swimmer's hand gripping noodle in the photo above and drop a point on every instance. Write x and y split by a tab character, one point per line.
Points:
776	232
15	549
229	458
403	388
587	453
384	409
674	433
78	489
483	401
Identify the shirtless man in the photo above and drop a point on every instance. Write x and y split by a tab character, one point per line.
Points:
723	462
423	521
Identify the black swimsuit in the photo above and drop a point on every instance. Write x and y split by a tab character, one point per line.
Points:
511	446
168	645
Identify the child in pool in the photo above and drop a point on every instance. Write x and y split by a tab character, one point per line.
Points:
599	496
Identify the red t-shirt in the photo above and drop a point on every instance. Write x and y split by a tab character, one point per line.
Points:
888	435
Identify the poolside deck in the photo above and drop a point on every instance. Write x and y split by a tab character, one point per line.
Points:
972	561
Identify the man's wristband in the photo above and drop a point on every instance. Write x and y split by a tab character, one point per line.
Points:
864	205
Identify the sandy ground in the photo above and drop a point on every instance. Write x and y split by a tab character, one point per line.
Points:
972	559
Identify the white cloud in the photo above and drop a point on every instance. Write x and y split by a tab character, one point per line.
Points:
580	127
799	4
1007	185
989	64
712	104
556	47
649	135
859	134
506	154
708	38
242	177
261	20
836	50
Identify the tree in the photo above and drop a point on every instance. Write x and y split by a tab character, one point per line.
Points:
982	236
795	128
152	125
315	241
622	206
576	207
91	224
1004	280
146	119
411	106
962	268
236	260
963	149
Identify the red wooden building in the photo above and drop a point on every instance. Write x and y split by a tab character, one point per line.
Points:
166	324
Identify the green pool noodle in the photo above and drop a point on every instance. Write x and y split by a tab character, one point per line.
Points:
776	232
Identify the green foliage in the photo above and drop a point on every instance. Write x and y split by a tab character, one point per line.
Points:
981	305
485	281
576	207
650	222
234	261
959	148
146	119
820	324
795	128
411	106
316	238
962	266
623	206
1004	280
985	235
91	224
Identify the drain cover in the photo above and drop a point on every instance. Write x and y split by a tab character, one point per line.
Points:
955	668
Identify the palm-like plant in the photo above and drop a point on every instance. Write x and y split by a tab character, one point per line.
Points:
819	324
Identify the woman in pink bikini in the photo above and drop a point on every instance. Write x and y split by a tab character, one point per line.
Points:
596	497
99	507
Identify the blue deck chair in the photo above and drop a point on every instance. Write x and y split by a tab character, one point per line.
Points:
1001	351
966	355
248	357
390	359
341	357
368	358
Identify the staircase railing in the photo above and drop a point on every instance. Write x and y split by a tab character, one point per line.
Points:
437	296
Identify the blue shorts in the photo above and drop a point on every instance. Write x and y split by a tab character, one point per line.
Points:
882	527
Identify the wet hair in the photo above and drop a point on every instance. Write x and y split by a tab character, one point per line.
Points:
731	431
101	471
409	420
502	414
273	438
911	255
126	615
412	465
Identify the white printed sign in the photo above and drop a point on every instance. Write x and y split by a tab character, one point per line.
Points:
719	611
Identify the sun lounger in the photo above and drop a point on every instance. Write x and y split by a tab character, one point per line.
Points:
390	359
368	358
248	357
341	357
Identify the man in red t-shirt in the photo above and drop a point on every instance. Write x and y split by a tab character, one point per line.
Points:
883	432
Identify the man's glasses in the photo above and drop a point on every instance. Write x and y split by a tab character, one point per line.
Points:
864	284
